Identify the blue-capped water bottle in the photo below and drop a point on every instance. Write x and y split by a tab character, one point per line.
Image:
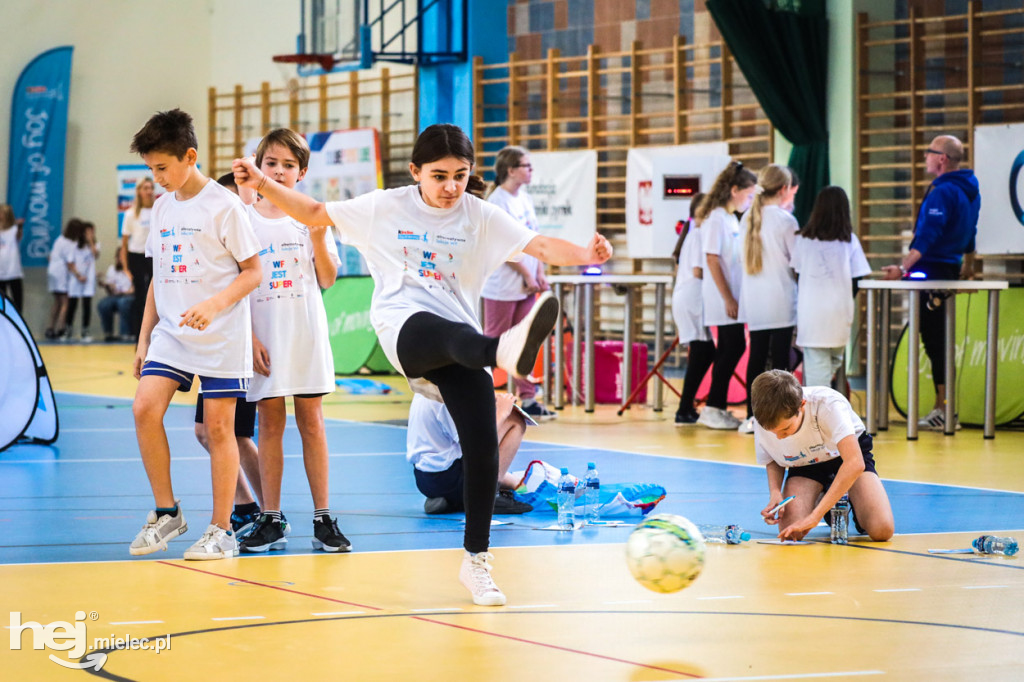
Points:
993	544
728	535
566	500
840	521
591	494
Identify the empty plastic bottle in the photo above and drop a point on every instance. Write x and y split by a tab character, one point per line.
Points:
566	500
993	544
840	521
591	494
728	535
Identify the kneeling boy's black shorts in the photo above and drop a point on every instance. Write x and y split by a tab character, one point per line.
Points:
245	416
825	472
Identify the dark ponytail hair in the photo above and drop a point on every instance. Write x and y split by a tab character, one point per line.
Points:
476	186
830	217
440	141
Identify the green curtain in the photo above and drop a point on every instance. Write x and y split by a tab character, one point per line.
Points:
783	53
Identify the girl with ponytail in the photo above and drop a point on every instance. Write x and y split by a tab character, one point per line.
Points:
510	291
768	295
722	246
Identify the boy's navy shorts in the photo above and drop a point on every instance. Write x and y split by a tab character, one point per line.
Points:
447	484
825	472
213	387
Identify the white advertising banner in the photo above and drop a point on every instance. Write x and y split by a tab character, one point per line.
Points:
659	184
998	157
564	192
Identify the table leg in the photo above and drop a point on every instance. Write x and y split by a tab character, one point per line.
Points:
950	351
913	362
627	346
659	340
588	302
991	355
884	362
559	388
870	395
577	315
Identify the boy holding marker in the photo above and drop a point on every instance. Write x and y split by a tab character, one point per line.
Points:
816	449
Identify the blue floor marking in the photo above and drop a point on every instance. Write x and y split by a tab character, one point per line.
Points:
84	498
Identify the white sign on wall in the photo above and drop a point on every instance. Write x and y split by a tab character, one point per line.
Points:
659	184
564	192
998	158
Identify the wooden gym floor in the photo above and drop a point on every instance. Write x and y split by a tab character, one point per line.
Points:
394	610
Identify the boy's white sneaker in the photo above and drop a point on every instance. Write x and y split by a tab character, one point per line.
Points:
216	543
157	531
475	574
518	347
717	418
747	426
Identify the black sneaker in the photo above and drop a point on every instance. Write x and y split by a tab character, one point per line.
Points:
539	412
687	418
506	503
327	536
243	524
266	534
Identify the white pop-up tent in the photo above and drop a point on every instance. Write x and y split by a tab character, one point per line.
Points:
28	412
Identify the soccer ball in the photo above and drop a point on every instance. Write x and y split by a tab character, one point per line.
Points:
665	553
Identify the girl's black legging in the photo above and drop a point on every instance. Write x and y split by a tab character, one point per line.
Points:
765	343
453	356
728	352
86	312
698	360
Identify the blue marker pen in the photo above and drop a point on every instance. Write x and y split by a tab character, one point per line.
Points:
780	505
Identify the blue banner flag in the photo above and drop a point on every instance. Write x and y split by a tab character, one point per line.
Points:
35	176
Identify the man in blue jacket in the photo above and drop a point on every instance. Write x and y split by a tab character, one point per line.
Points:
947	223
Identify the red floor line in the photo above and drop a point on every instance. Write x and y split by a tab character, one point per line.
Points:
559	648
272	587
435	622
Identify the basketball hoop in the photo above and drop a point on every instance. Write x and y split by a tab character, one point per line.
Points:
324	61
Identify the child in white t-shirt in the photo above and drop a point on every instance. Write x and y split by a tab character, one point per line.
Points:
120	295
813	439
828	259
722	243
432	447
11	274
688	314
57	279
291	346
81	264
509	293
768	294
429	248
196	322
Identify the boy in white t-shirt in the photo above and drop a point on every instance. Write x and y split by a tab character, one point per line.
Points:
205	263
813	438
291	347
432	447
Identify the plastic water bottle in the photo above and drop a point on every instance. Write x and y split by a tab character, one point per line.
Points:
591	494
993	544
726	535
566	501
840	522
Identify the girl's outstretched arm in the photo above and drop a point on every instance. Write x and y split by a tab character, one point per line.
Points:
557	251
302	208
